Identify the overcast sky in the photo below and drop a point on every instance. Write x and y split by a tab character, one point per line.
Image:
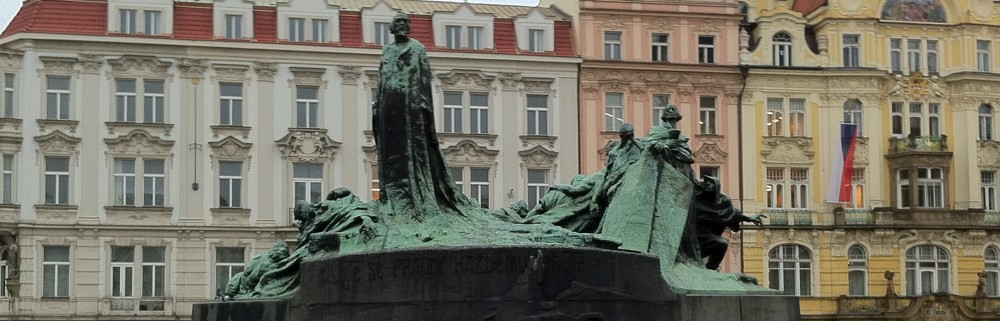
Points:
8	8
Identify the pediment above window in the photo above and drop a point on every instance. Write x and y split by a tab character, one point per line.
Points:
471	79
989	153
538	85
230	73
11	60
788	150
139	143
538	157
710	153
307	145
468	152
57	142
139	66
51	125
124	128
230	148
58	66
307	77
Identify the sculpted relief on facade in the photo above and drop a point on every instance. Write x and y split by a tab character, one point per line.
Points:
307	145
788	150
467	152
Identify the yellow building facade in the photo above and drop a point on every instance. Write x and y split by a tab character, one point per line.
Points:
919	80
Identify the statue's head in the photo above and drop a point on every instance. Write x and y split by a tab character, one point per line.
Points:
670	115
627	131
711	185
279	251
400	25
338	193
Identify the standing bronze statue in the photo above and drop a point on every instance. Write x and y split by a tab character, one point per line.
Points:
412	169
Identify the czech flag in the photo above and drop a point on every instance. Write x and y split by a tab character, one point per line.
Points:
843	166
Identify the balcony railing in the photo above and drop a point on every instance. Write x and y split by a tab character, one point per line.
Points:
889	306
992	218
788	216
853	216
918	144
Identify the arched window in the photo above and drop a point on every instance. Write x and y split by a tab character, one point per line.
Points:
782	49
853	115
857	270
985	122
790	269
992	258
928	270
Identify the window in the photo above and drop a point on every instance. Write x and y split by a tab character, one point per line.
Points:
800	188
125	182
992	268
320	30
775	187
983	55
797	113
234	26
536	38
8	95
153	177
614	110
782	49
988	181
790	269
934	119
230	184
853	114
852	51
661	47
453	37
55	271
57	180
776	120
929	187
857	270
858	188
57	97
125	100
382	34
538	115
897	118
152	23
228	262
775	113
458	174
296	29
613	45
476	38
660	103
376	188
708	112
712	171
231	104
479	113
453	112
896	54
927	270
797	182
4	273
706	49
915	118
985	122
308	182
122	271
8	179
128	21
154	264
538	185
306	106
913	55
932	56
152	104
479	183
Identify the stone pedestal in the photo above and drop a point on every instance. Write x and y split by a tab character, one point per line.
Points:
495	283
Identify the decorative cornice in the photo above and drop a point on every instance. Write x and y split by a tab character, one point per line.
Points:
349	74
230	73
192	68
139	66
467	152
57	142
138	142
58	66
230	148
538	156
265	70
710	153
307	145
466	79
307	77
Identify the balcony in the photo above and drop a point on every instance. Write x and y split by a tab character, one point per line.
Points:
918	144
784	217
900	308
923	217
853	216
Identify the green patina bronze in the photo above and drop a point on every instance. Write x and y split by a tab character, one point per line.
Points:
641	201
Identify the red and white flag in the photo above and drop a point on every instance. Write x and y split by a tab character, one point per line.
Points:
843	165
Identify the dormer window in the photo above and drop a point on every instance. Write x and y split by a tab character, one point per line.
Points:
234	26
150	17
782	49
475	38
463	29
308	21
535	38
534	32
454	37
128	21
296	29
382	34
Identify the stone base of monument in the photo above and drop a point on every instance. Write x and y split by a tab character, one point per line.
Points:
494	283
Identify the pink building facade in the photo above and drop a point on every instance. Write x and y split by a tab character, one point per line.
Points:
639	57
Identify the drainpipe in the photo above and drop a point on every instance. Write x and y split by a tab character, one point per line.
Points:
744	71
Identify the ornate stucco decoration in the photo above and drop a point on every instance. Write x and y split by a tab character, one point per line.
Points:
349	74
57	143
530	141
231	73
774	237
467	152
988	153
307	145
139	66
710	153
307	77
11	60
538	85
371	79
192	68
139	143
58	66
861	152
466	79
265	70
91	64
538	157
788	150
916	87
230	148
124	128
613	22
509	80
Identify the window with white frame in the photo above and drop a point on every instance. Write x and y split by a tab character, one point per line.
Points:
458	174
296	29
991	258
614	111
55	271
932	56
538	115
988	183
57	97
234	26
153	182
154	264
476	37
8	180
782	42
153	101
775	187
452	112
983	55
799	183
857	270
660	103
661	47
852	51
231	104
376	187
306	106
536	40
854	114
125	97
8	95
985	122
128	20
320	30
917	50
913	55
301	29
228	262
706	49
927	270
153	20
916	117
858	188
613	45
125	181
453	37
122	271
230	184
152	174
479	112
708	112
896	54
934	119
790	269
929	187
4	273
538	185
779	179
56	180
307	181
792	125
126	100
478	183
382	34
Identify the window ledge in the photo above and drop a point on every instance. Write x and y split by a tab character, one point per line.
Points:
10	206
232	216
56	207
9	124
709	136
65	125
221	131
127	127
56	299
138	215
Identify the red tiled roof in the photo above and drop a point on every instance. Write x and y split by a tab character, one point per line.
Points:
504	37
350	29
564	39
422	30
807	6
193	20
87	17
265	23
